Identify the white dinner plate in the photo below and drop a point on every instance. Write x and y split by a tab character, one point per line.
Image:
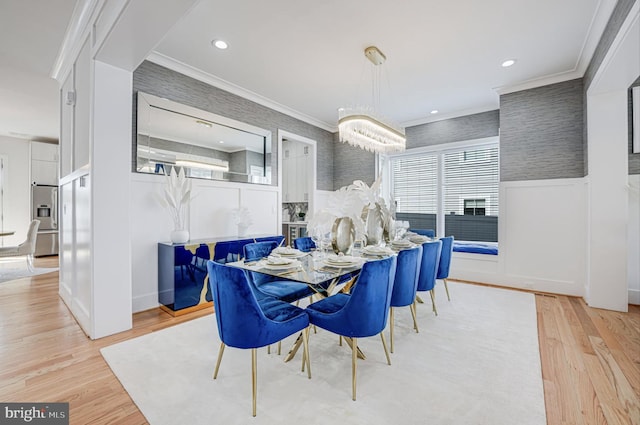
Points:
403	243
281	266
419	239
342	261
288	252
376	250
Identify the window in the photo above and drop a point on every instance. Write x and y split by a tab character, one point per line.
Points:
474	207
451	190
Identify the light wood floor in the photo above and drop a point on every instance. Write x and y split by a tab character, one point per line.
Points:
590	357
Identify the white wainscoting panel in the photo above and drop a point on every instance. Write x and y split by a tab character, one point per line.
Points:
210	217
542	242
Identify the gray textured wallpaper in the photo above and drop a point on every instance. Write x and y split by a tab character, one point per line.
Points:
351	164
541	133
469	127
163	82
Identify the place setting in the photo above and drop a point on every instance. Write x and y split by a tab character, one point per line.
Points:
278	263
287	252
376	251
342	261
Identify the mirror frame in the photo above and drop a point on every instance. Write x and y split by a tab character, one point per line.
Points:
199	114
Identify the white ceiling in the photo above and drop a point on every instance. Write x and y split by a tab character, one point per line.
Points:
306	58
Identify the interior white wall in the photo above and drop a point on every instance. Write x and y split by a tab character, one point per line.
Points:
633	262
17	189
541	239
110	151
210	216
607	129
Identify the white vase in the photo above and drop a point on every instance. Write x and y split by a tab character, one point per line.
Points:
179	236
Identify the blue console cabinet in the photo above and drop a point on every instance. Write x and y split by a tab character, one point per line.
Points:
183	282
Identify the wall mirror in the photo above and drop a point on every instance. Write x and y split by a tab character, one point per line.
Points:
205	145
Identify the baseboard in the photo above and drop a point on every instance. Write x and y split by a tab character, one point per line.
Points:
634	296
145	302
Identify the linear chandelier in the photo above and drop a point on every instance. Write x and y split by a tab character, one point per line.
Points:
363	127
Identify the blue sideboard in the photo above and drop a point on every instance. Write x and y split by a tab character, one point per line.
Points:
183	282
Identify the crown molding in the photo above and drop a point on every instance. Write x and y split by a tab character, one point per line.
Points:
449	115
190	71
594	33
78	29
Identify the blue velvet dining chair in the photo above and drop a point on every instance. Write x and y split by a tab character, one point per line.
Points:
304	244
405	284
429	269
282	289
445	262
248	323
361	314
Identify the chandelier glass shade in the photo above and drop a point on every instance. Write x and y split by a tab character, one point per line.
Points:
363	127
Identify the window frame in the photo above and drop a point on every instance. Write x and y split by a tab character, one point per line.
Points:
383	168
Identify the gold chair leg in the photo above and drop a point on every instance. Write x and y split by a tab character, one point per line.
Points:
433	301
254	377
446	287
391	327
384	345
418	299
412	307
340	341
306	356
220	353
269	349
279	347
354	360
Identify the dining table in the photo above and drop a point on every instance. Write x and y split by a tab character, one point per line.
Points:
325	273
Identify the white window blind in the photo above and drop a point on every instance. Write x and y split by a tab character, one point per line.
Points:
459	185
415	183
471	175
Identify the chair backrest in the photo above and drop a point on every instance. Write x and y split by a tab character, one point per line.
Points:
445	257
365	314
429	266
425	232
406	277
304	244
238	313
255	251
28	247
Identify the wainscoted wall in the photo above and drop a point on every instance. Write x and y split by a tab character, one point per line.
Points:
210	216
542	239
160	81
469	127
541	132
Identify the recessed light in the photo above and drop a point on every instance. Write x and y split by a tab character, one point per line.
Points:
435	111
220	44
221	141
508	63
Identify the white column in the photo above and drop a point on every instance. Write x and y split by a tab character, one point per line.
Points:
608	201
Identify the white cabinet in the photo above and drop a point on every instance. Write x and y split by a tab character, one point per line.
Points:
296	160
44	163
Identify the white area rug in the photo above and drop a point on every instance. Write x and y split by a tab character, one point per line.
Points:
476	363
8	274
